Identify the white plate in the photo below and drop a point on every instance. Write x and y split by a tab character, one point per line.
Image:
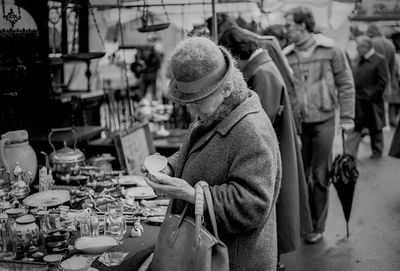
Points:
141	192
155	219
95	245
132	180
47	198
75	263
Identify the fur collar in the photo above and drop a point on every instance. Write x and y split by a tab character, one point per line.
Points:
320	41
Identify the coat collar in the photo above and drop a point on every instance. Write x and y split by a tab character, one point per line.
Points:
320	41
254	63
248	106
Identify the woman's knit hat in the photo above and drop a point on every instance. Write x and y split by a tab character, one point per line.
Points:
199	67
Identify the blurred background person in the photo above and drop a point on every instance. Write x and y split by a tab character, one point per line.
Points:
370	79
278	31
323	81
385	47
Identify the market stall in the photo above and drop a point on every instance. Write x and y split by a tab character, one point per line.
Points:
78	213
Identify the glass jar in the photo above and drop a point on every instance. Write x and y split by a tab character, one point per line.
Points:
8	247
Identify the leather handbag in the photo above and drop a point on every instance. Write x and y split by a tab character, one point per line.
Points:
185	244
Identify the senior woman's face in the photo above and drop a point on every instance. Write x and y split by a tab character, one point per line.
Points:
206	107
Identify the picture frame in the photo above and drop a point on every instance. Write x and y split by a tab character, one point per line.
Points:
133	146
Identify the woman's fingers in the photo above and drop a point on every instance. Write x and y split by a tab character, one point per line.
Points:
160	178
159	188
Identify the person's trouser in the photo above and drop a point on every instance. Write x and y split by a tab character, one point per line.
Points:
354	138
317	142
394	110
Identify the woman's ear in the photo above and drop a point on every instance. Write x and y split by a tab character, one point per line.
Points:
227	91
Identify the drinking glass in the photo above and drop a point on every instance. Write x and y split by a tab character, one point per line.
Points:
84	225
115	210
117	227
8	247
94	225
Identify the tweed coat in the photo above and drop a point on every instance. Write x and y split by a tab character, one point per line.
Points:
292	211
240	160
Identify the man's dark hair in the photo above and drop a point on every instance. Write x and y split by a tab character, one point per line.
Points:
240	44
303	15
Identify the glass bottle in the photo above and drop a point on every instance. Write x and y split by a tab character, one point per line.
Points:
8	247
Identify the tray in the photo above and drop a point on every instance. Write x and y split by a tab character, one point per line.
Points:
47	198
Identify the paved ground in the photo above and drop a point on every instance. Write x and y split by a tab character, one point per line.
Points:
374	242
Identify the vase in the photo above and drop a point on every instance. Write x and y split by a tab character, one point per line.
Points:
15	148
26	231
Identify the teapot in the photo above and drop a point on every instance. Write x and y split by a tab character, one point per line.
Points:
61	161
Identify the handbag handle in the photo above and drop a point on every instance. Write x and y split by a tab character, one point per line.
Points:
210	206
202	189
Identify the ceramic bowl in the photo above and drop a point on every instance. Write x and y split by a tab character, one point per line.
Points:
155	163
75	264
57	236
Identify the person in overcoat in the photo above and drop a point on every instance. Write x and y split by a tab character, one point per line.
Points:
370	78
394	149
263	76
271	45
232	146
387	49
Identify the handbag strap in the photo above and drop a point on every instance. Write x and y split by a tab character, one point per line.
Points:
198	212
210	206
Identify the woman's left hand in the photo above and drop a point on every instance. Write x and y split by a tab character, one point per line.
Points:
172	187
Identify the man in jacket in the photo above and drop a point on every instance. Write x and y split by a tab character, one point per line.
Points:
319	68
370	78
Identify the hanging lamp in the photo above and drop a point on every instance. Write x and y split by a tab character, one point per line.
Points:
147	17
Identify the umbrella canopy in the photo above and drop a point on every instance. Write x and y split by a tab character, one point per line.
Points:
343	175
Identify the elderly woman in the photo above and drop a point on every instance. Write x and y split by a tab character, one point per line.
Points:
232	146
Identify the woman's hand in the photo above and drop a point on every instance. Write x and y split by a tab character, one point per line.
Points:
172	187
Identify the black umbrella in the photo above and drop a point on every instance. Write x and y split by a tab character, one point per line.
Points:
343	175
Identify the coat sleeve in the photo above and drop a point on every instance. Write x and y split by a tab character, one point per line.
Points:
245	201
344	83
268	84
